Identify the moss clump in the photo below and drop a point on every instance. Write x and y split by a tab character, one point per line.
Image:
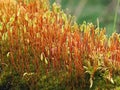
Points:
44	48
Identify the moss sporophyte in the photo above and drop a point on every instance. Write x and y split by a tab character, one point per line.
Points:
44	48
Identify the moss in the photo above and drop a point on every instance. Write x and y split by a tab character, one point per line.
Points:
46	49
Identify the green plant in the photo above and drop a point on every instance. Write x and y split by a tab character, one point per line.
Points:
46	49
115	17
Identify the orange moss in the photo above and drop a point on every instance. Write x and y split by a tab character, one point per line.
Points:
33	29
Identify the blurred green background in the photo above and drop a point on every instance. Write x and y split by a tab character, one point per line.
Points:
91	10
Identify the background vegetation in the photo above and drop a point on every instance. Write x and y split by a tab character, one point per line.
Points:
91	10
